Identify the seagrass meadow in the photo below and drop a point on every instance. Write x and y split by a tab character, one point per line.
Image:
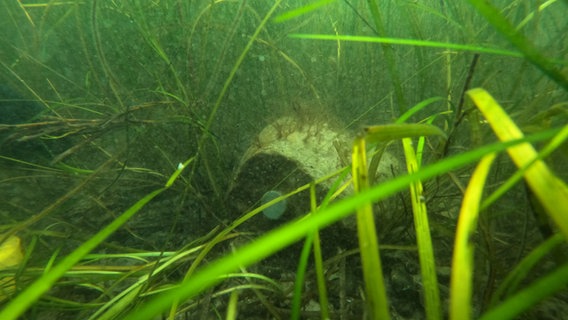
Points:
284	159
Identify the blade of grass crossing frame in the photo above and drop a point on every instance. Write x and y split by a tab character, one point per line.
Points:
318	259
368	244
424	240
409	42
418	107
288	15
320	277
462	260
551	191
303	263
387	132
313	239
232	307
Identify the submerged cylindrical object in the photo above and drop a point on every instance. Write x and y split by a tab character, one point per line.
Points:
286	155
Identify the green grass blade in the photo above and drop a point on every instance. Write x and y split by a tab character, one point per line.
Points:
534	14
318	259
412	42
300	277
178	171
377	302
232	307
424	240
313	238
421	105
387	132
288	15
462	260
320	277
113	311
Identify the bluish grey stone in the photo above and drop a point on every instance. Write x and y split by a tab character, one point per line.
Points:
276	210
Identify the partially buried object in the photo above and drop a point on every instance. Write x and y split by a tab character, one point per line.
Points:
287	154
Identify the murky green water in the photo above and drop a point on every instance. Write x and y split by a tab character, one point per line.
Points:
100	101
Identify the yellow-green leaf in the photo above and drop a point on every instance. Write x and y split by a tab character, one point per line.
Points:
462	260
551	191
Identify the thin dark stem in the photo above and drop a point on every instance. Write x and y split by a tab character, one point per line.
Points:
460	114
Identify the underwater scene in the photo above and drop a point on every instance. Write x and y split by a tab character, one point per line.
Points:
283	159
